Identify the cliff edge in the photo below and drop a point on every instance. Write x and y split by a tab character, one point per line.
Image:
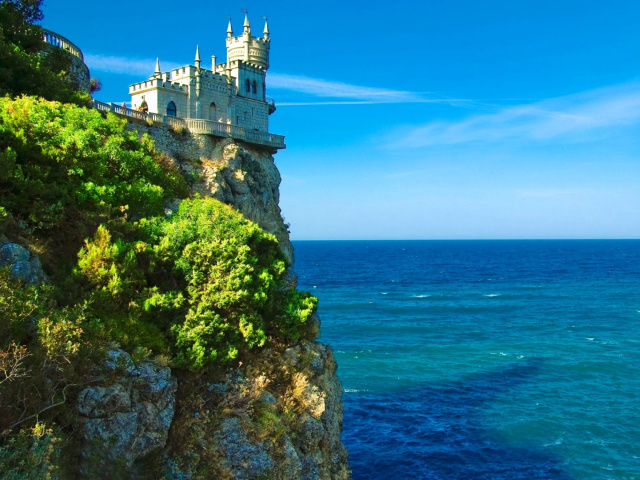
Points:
276	415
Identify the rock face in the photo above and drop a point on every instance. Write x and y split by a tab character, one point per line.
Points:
22	265
279	417
125	418
236	173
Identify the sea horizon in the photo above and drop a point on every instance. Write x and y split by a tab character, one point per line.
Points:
483	359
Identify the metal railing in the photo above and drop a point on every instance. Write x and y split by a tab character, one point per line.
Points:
59	41
198	126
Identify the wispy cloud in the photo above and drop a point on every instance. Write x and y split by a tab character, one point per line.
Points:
126	65
591	112
553	193
351	94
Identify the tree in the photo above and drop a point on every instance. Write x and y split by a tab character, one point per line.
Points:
26	65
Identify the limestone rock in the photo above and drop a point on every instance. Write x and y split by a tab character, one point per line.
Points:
280	417
245	459
22	265
127	419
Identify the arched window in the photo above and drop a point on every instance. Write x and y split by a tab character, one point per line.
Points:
172	111
213	112
254	87
247	85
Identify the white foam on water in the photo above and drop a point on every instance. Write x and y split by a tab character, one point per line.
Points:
493	295
421	296
554	443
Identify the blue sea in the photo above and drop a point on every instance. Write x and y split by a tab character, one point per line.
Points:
483	359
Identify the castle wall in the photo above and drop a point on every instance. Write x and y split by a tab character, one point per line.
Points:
244	72
251	114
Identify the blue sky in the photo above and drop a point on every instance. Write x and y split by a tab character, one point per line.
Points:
418	120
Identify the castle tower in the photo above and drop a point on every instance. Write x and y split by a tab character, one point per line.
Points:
248	60
230	94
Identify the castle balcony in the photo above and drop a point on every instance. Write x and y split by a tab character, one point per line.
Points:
79	74
59	41
199	126
272	104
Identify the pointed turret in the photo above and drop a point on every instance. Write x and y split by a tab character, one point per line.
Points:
229	29
157	72
197	61
247	26
266	28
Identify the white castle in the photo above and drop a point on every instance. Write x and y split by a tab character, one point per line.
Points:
231	93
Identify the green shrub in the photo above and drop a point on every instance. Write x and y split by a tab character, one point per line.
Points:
30	454
205	279
59	162
27	64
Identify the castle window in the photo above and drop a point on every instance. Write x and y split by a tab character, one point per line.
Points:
172	111
213	114
247	85
254	86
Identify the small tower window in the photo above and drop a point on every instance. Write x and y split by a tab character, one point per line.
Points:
213	112
254	87
247	85
172	111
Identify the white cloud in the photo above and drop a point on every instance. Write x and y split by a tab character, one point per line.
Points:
552	193
125	65
356	94
589	112
314	87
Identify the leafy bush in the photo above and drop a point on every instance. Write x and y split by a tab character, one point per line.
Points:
65	169
27	66
38	345
30	454
205	279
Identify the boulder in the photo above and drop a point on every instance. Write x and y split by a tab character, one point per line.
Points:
127	419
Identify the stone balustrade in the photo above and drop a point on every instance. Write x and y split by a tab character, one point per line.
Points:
59	41
198	126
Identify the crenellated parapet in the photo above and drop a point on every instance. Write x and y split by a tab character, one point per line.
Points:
247	48
156	83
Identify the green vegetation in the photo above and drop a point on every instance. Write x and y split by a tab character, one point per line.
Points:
199	287
201	284
27	66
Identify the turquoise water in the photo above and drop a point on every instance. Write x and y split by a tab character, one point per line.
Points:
484	359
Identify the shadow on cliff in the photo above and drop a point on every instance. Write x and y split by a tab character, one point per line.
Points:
436	432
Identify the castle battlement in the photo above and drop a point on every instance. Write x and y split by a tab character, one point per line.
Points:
230	93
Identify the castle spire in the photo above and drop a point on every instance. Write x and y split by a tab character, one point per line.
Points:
266	28
247	26
197	57
157	65
229	29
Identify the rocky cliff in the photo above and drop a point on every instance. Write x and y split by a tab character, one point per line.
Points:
275	415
